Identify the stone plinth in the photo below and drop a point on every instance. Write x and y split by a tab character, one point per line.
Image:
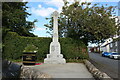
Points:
57	60
55	56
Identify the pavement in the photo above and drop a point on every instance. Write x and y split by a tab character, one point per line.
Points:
68	70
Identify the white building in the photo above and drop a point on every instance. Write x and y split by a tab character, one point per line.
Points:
105	46
109	45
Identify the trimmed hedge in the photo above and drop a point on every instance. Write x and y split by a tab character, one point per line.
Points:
15	44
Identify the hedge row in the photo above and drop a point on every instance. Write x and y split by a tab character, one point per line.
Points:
14	45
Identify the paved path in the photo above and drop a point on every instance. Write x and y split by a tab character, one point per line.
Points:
69	70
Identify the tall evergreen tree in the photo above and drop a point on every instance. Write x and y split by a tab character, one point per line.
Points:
14	18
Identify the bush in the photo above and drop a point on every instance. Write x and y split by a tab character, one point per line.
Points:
15	44
30	48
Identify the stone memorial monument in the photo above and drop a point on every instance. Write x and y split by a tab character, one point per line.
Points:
55	57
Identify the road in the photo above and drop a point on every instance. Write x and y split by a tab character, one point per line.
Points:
104	64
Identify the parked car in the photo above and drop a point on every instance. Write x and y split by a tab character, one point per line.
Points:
115	55
106	54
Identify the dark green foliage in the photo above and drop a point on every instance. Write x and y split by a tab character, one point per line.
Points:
14	46
14	16
30	48
90	23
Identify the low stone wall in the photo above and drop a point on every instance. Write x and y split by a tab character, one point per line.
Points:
10	70
18	70
97	74
32	74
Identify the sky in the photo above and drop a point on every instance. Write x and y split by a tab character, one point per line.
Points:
42	9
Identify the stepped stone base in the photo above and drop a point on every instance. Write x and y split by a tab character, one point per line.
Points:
54	59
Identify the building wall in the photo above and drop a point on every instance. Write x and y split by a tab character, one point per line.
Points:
114	46
105	48
111	47
119	46
108	48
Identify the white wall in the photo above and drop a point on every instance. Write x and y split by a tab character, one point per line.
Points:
105	49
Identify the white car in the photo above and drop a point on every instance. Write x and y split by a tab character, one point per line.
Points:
115	55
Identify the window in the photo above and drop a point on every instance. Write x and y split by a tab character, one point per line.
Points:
110	44
116	50
116	43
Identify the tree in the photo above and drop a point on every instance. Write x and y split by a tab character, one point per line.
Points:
85	22
14	18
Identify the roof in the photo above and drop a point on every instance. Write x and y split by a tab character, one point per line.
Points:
107	41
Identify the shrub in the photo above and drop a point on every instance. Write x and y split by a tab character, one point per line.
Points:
15	44
30	48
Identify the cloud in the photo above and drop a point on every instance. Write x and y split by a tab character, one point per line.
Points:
71	0
106	0
55	0
60	3
44	12
40	29
85	0
56	3
41	11
32	0
40	6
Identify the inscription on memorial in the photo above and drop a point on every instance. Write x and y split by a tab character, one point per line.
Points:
53	48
